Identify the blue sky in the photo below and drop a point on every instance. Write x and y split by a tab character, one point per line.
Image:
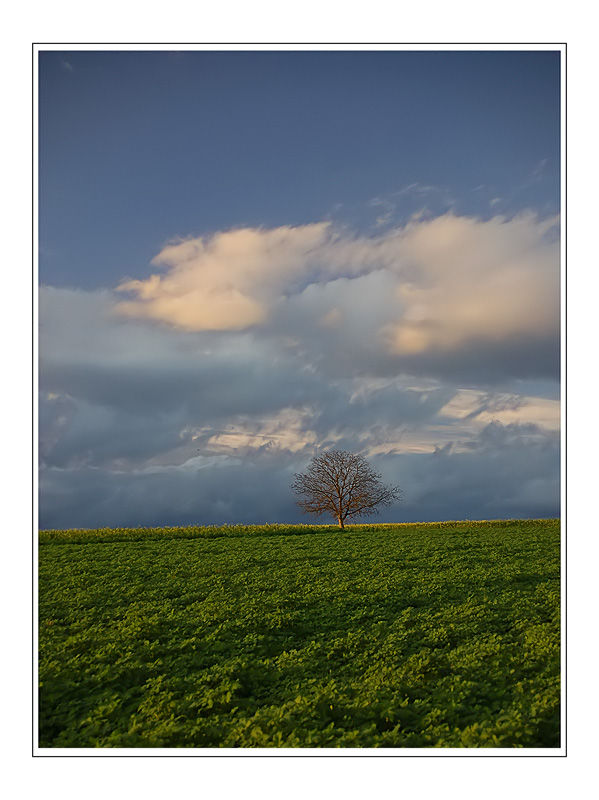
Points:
248	257
139	147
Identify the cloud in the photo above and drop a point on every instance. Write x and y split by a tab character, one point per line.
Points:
510	471
432	349
477	280
539	170
138	368
229	280
431	290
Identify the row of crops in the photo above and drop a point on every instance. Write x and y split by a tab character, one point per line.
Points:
439	635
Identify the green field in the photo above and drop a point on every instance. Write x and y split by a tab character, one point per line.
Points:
401	636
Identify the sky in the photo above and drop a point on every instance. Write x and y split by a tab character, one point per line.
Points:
248	258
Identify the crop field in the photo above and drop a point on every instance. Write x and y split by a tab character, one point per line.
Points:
380	636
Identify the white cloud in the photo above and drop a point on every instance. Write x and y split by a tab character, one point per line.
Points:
442	283
227	281
481	409
477	280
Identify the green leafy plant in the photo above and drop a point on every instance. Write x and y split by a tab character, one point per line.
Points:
436	635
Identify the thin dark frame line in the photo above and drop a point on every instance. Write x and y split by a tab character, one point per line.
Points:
563	377
299	755
299	44
33	400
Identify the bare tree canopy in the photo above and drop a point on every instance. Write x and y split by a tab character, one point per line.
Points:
342	484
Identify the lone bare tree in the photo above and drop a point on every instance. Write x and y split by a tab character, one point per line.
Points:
342	484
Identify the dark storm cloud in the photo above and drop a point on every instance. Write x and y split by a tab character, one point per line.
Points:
511	471
75	433
389	406
204	387
220	492
481	362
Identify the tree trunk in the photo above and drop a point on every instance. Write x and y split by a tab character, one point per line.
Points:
341	525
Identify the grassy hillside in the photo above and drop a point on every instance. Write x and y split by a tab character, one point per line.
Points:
424	635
